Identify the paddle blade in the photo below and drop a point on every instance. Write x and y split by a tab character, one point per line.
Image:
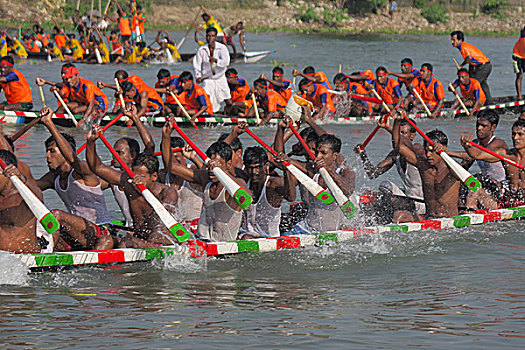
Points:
325	197
50	223
180	233
242	198
348	209
472	183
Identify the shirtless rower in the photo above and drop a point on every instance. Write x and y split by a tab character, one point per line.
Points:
429	89
394	199
79	94
240	101
229	32
78	187
471	92
492	176
148	228
319	96
17	91
515	192
316	76
221	216
269	101
440	183
322	217
190	195
387	88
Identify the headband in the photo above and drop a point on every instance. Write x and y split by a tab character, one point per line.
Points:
343	82
233	75
6	63
308	84
278	73
381	73
425	68
261	85
406	64
69	72
463	74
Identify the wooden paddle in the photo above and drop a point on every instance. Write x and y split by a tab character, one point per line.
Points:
28	126
422	102
456	62
39	210
459	99
313	187
256	109
177	230
467	178
107	126
71	116
239	194
121	98
499	156
42	95
184	111
189	30
382	102
347	206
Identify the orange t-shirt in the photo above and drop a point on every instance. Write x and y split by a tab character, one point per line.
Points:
519	47
477	57
196	98
84	92
472	91
319	97
123	23
16	89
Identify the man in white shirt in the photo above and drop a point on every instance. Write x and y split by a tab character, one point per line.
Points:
210	64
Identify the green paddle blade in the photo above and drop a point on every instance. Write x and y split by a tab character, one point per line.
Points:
180	233
325	197
473	183
348	209
50	223
242	198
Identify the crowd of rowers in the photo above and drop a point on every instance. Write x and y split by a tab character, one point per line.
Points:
188	188
363	89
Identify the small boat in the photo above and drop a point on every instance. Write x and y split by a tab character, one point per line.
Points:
199	249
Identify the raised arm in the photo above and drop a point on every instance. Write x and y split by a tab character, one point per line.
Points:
402	144
145	136
112	176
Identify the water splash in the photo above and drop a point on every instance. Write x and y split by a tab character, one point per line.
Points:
12	270
182	262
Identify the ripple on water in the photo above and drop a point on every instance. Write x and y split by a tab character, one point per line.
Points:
12	270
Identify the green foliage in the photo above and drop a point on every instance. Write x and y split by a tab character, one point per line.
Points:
308	14
333	17
435	13
495	8
419	4
364	6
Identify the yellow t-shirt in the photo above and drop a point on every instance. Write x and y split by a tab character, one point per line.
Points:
174	52
212	23
3	48
58	53
141	53
104	52
76	49
18	49
131	57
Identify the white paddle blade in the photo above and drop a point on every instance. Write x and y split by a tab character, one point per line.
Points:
346	205
97	54
39	210
177	230
313	187
239	194
467	178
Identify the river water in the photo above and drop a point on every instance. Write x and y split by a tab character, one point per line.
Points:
461	288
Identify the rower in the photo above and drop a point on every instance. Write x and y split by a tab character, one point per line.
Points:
190	195
240	101
166	83
59	36
193	97
270	101
221	216
124	25
492	177
440	183
210	22
479	65
235	143
278	83
79	94
359	108
514	193
17	49
263	217
210	64
149	230
322	217
429	89
411	198
518	56
229	32
17	91
142	52
319	96
78	187
77	52
473	95
408	73
147	99
387	88
317	77
167	44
